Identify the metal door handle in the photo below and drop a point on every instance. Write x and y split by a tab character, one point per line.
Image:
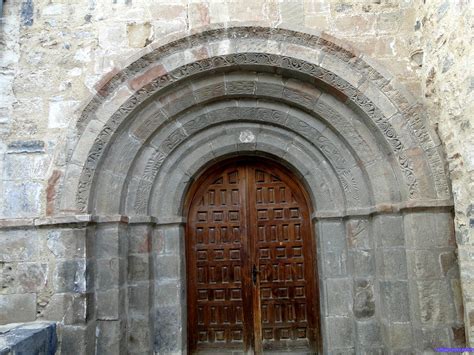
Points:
255	273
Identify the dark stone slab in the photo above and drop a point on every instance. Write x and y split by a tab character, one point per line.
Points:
27	12
34	146
28	338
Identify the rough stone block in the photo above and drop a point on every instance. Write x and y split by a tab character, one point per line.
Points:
393	263
110	304
111	337
432	338
339	297
426	230
19	245
168	293
358	234
388	231
399	335
23	277
78	339
363	262
139	241
341	332
68	308
364	299
332	235
435	302
67	243
395	300
167	337
70	276
25	166
138	268
139	299
139	340
166	267
111	241
425	263
369	333
111	273
30	338
335	264
17	308
20	146
22	199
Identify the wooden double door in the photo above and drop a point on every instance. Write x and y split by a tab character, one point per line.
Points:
250	269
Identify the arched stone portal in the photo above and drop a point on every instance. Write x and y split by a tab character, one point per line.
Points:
361	144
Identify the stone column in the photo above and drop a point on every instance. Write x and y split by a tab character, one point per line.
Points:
433	274
169	294
336	286
111	249
140	297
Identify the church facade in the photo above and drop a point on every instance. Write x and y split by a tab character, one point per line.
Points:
259	180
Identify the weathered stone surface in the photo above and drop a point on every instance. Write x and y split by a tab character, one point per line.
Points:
339	297
395	300
67	243
70	276
18	308
34	146
19	245
393	262
30	338
111	337
51	61
428	230
364	301
399	335
363	262
388	230
78	339
166	337
341	332
369	333
23	277
435	302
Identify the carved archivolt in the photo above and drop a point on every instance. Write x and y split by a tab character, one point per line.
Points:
353	82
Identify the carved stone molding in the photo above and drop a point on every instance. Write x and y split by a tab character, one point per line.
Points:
157	78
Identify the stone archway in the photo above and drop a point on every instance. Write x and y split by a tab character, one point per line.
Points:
371	163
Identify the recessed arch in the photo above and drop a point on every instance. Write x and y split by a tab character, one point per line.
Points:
360	143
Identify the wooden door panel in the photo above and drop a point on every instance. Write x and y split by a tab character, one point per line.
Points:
250	268
279	250
217	243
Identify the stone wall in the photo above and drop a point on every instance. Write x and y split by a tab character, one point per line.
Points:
59	53
447	77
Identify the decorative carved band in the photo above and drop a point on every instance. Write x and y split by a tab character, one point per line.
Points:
241	60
